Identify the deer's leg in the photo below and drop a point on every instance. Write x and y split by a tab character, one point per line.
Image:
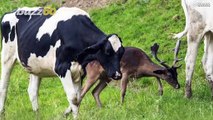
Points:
160	87
124	82
192	49
89	83
98	89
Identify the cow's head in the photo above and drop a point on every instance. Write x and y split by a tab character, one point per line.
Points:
169	74
108	52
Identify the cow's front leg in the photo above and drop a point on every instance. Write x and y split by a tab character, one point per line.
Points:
33	90
72	89
192	49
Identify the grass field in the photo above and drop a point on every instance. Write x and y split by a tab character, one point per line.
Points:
140	23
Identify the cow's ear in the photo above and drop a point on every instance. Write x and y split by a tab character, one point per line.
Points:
159	72
91	50
95	47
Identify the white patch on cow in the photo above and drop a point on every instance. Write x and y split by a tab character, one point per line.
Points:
43	66
62	14
117	73
11	18
115	42
76	71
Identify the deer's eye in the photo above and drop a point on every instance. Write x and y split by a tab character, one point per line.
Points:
169	74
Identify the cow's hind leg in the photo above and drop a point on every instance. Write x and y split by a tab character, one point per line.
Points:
209	62
8	58
192	49
72	89
33	90
205	55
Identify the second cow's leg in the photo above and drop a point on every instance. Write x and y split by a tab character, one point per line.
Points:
209	62
33	89
192	49
205	55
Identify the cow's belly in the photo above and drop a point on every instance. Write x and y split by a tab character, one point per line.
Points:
42	66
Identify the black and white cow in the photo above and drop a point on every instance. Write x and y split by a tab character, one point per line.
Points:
58	45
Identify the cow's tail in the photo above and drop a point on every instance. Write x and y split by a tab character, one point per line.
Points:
1	19
184	32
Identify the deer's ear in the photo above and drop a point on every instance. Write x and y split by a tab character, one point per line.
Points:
159	72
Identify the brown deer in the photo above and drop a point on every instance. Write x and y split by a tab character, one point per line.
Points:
134	64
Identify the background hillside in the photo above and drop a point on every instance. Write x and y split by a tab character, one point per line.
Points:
140	23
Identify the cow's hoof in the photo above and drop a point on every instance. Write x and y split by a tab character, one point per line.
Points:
65	114
1	112
160	93
2	115
188	94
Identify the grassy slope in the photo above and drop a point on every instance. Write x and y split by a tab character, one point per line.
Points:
139	24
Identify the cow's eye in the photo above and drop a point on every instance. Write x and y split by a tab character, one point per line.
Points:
107	52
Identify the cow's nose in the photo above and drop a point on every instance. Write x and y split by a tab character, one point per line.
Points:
117	76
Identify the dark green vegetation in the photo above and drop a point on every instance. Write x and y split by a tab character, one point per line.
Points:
140	23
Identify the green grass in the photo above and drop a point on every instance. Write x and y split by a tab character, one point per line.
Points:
140	23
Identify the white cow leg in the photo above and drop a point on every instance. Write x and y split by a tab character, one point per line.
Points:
209	64
33	90
192	49
205	55
72	90
7	61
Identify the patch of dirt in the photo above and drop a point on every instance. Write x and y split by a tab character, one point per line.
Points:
86	4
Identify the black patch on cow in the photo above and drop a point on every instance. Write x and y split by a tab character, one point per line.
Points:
75	34
5	30
12	34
